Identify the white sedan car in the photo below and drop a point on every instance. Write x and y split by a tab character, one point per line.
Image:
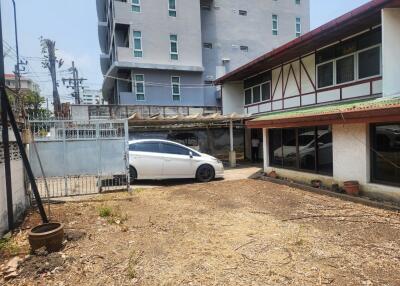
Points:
162	159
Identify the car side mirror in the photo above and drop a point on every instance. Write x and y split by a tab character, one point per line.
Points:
191	154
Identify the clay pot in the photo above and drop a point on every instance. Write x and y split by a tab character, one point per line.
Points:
49	235
352	188
316	184
272	174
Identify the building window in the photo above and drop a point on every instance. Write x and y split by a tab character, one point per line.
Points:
207	45
172	8
173	47
355	59
176	88
325	75
257	93
297	2
274	25
244	48
305	149
139	87
385	153
266	91
298	26
137	44
369	63
345	69
247	97
136	5
242	12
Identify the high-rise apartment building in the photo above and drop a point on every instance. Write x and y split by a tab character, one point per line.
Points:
168	52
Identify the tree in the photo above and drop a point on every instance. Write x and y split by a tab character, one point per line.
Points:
49	62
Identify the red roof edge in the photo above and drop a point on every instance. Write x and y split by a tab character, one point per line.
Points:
374	4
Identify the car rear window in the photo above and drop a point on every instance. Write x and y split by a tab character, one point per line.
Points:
152	147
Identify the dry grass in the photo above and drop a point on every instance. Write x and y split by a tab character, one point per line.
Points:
228	233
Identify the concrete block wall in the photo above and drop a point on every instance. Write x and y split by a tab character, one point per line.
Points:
20	197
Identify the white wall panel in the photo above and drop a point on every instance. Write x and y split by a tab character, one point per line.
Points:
308	99
356	91
329	95
292	102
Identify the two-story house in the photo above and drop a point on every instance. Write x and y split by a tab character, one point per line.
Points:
328	102
169	52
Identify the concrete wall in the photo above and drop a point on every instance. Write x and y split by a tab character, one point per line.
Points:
232	98
20	198
351	161
391	51
156	32
227	31
221	25
161	94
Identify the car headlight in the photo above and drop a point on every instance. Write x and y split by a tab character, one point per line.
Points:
217	160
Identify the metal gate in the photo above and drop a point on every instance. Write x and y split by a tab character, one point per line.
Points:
79	157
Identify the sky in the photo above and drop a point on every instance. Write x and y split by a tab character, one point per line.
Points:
73	25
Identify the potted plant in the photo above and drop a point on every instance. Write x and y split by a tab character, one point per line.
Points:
352	188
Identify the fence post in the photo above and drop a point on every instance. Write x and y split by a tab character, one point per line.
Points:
64	152
126	155
98	143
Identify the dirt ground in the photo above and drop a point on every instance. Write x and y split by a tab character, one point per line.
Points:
243	232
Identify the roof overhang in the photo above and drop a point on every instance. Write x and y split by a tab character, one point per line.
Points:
347	25
184	120
366	111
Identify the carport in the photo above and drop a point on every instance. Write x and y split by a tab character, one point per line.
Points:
197	121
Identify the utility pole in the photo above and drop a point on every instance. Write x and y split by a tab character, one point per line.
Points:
4	124
75	83
20	64
49	52
7	115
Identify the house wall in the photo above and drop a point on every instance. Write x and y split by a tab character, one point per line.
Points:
294	84
348	163
391	51
20	198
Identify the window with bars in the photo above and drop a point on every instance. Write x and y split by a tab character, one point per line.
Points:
172	8
136	6
174	47
176	88
139	87
274	24
298	26
137	44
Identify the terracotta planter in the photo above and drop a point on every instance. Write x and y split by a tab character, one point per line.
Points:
49	235
352	188
272	174
316	184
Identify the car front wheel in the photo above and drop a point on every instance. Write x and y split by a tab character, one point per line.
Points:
132	174
205	173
